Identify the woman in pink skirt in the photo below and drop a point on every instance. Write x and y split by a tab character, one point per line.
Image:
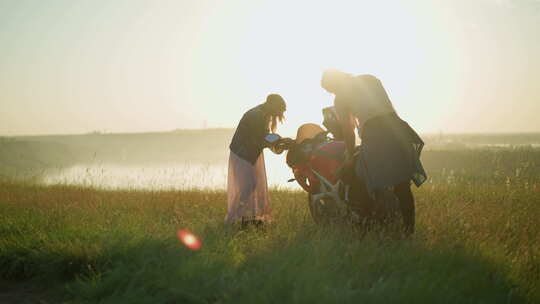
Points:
247	187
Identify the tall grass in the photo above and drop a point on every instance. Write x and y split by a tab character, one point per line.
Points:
475	243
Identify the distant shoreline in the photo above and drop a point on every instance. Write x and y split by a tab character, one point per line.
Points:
214	130
100	133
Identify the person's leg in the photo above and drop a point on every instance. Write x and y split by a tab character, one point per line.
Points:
406	204
259	209
246	208
240	186
262	210
361	203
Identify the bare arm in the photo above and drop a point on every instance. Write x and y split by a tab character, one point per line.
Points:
346	121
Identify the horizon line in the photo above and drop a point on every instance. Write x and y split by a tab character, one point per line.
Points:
103	133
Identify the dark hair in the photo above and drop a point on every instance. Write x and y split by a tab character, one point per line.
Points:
275	105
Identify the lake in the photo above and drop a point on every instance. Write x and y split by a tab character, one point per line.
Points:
175	175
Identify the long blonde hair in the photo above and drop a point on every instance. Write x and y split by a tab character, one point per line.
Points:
275	104
273	120
333	79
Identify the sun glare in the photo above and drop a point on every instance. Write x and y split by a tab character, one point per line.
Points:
193	64
187	238
288	54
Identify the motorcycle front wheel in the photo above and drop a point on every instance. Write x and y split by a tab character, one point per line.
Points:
315	210
326	211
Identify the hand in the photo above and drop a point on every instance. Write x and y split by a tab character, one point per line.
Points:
285	143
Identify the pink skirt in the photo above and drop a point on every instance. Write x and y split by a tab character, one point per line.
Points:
247	190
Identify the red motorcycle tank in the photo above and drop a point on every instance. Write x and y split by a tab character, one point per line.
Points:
314	151
326	158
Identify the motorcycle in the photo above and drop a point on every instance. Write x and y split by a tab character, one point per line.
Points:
315	157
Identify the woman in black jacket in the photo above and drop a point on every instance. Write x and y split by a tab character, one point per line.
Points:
247	187
389	156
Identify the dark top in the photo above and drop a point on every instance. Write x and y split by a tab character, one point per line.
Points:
389	153
248	140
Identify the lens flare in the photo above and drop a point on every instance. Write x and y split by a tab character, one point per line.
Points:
187	238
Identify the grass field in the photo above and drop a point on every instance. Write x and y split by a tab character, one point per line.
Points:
473	245
477	241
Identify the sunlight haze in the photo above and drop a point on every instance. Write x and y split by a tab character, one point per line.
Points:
136	66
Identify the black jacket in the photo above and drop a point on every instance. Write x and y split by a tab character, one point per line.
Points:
248	140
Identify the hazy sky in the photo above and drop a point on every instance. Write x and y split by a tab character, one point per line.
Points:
69	66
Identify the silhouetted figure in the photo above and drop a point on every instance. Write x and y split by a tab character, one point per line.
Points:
247	186
389	155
